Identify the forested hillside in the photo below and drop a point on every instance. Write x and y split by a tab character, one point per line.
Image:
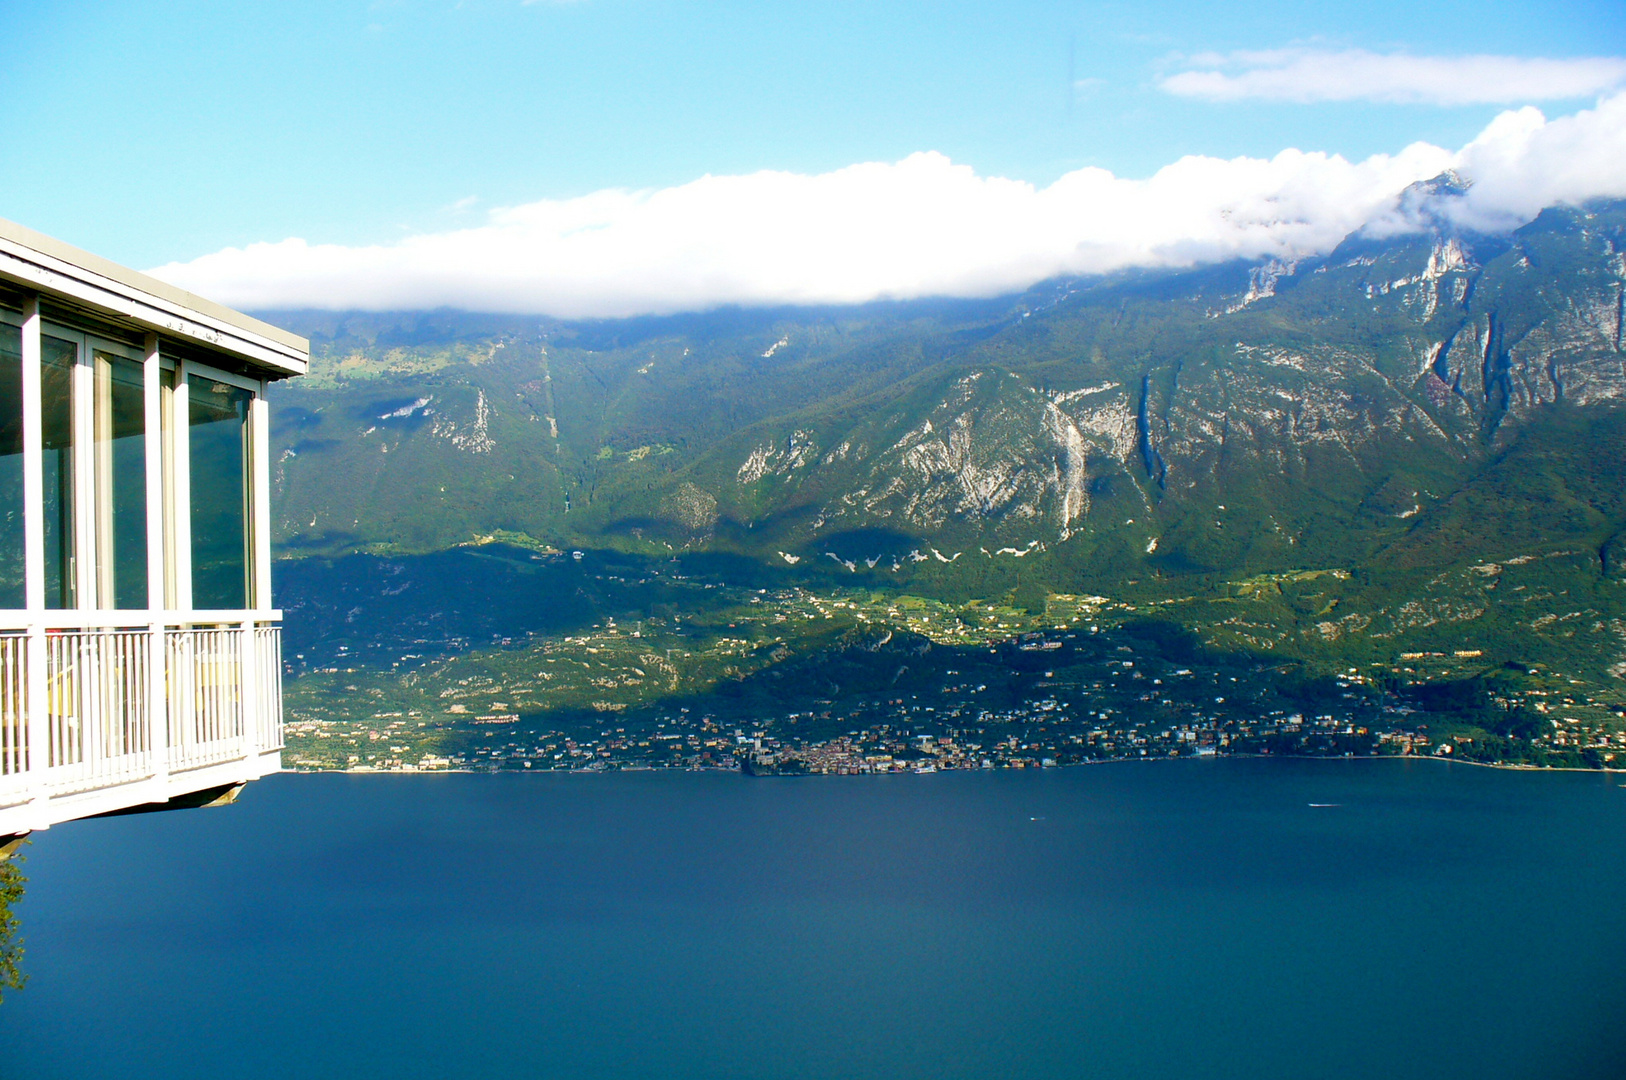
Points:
1414	444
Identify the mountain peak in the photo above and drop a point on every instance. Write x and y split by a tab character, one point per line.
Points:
1426	206
1446	184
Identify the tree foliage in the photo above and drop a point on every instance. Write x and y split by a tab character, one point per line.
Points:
11	946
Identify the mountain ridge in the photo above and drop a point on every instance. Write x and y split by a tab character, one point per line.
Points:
1401	411
1146	390
1385	487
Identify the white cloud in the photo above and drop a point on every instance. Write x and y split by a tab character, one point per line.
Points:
1306	75
1523	162
922	226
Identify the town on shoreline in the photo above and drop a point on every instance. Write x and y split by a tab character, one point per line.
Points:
791	682
1127	714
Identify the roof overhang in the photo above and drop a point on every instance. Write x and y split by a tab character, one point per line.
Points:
37	263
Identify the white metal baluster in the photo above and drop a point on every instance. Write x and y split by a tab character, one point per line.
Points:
212	687
5	707
84	689
59	691
157	699
53	751
242	642
91	681
191	661
87	683
104	646
185	674
271	637
215	711
84	703
125	733
248	702
73	688
18	698
9	764
140	698
202	674
177	699
198	651
120	720
186	681
229	657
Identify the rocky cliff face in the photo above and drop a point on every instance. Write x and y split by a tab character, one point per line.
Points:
1242	417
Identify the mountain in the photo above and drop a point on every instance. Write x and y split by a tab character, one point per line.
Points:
1411	444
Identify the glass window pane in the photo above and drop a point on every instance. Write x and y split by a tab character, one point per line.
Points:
12	594
218	463
56	424
121	483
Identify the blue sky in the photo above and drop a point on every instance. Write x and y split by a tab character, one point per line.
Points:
159	132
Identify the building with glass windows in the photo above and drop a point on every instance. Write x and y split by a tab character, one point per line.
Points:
140	657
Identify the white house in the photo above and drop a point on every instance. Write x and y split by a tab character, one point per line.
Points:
140	658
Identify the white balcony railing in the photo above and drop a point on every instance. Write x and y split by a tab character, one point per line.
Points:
128	715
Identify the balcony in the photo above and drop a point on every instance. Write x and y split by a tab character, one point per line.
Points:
98	717
140	658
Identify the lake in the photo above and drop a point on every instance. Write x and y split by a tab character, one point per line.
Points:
1184	919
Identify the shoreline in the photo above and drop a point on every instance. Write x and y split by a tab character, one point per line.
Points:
1444	760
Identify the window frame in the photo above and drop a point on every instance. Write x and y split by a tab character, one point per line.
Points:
256	489
168	495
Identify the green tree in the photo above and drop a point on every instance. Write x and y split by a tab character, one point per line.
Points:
11	946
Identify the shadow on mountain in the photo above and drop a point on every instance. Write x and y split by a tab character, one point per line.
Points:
832	678
312	544
370	610
864	545
869	676
1566	476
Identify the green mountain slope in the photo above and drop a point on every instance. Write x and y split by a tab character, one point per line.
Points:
1432	419
1325	409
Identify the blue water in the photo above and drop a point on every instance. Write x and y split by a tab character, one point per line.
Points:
1170	919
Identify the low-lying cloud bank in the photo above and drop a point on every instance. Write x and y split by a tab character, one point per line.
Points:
923	226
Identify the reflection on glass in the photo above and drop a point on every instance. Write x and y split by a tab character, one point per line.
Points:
218	437
121	484
12	593
56	429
